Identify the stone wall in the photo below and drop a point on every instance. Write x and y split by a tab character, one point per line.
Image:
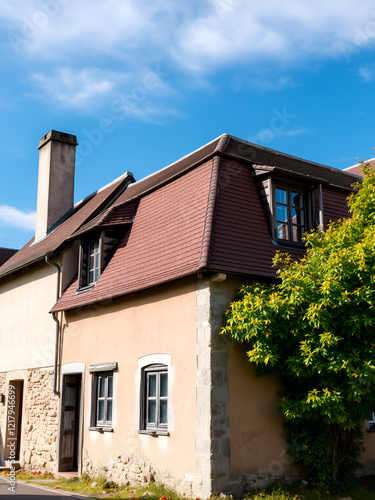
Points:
40	428
212	421
132	470
2	414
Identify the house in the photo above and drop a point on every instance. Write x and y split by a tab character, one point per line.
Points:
357	169
111	356
5	254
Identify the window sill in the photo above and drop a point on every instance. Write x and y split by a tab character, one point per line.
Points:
289	245
84	289
101	429
155	433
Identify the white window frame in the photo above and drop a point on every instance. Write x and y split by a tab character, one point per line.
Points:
164	360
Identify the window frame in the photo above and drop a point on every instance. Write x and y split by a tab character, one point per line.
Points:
289	188
96	423
157	427
84	281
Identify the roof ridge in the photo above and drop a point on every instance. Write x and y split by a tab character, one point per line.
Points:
118	179
363	162
210	214
179	160
287	155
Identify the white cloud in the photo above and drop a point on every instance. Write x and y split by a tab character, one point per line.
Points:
273	29
367	72
75	89
200	35
266	135
11	216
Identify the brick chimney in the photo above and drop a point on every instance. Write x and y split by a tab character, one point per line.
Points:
57	152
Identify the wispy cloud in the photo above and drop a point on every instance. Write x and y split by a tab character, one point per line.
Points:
11	216
266	135
77	89
367	72
198	35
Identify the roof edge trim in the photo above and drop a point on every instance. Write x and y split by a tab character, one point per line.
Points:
24	264
279	153
210	214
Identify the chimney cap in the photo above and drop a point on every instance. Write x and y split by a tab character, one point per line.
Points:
54	135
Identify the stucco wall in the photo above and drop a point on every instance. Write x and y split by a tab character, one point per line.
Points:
161	320
27	330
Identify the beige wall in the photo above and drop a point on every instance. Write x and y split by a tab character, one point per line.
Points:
27	330
161	320
255	422
256	425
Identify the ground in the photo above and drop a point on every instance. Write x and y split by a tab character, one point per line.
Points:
98	488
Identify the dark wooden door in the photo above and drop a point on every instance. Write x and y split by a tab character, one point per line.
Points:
69	423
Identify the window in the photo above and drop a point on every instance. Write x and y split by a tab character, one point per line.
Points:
371	422
90	262
154	414
102	396
93	264
290	215
104	403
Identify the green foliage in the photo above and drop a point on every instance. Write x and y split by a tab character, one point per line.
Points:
315	328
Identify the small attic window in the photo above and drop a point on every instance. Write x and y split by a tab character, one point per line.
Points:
90	262
290	217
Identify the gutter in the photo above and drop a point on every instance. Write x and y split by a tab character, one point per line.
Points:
55	391
18	267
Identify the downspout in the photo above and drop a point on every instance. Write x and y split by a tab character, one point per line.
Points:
46	258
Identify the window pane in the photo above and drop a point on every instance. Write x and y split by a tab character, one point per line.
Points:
110	387
297	233
96	275
281	196
297	216
152	386
91	262
91	277
101	410
297	200
151	417
101	387
281	213
164	411
109	410
282	231
163	385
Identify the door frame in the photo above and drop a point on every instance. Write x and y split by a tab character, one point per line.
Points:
72	369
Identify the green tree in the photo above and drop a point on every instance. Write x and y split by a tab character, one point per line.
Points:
315	327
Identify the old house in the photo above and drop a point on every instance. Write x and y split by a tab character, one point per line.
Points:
110	316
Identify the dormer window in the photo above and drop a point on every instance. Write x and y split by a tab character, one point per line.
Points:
93	265
290	214
90	262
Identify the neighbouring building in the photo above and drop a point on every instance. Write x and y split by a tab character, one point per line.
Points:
110	317
5	254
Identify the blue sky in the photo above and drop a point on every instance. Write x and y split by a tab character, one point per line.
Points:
142	84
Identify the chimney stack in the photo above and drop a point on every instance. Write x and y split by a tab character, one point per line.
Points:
57	152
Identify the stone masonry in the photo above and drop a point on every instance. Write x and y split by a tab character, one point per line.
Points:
41	422
132	470
212	420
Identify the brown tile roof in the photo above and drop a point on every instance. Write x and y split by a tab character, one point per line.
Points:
5	254
165	241
112	216
357	169
201	213
269	158
55	239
